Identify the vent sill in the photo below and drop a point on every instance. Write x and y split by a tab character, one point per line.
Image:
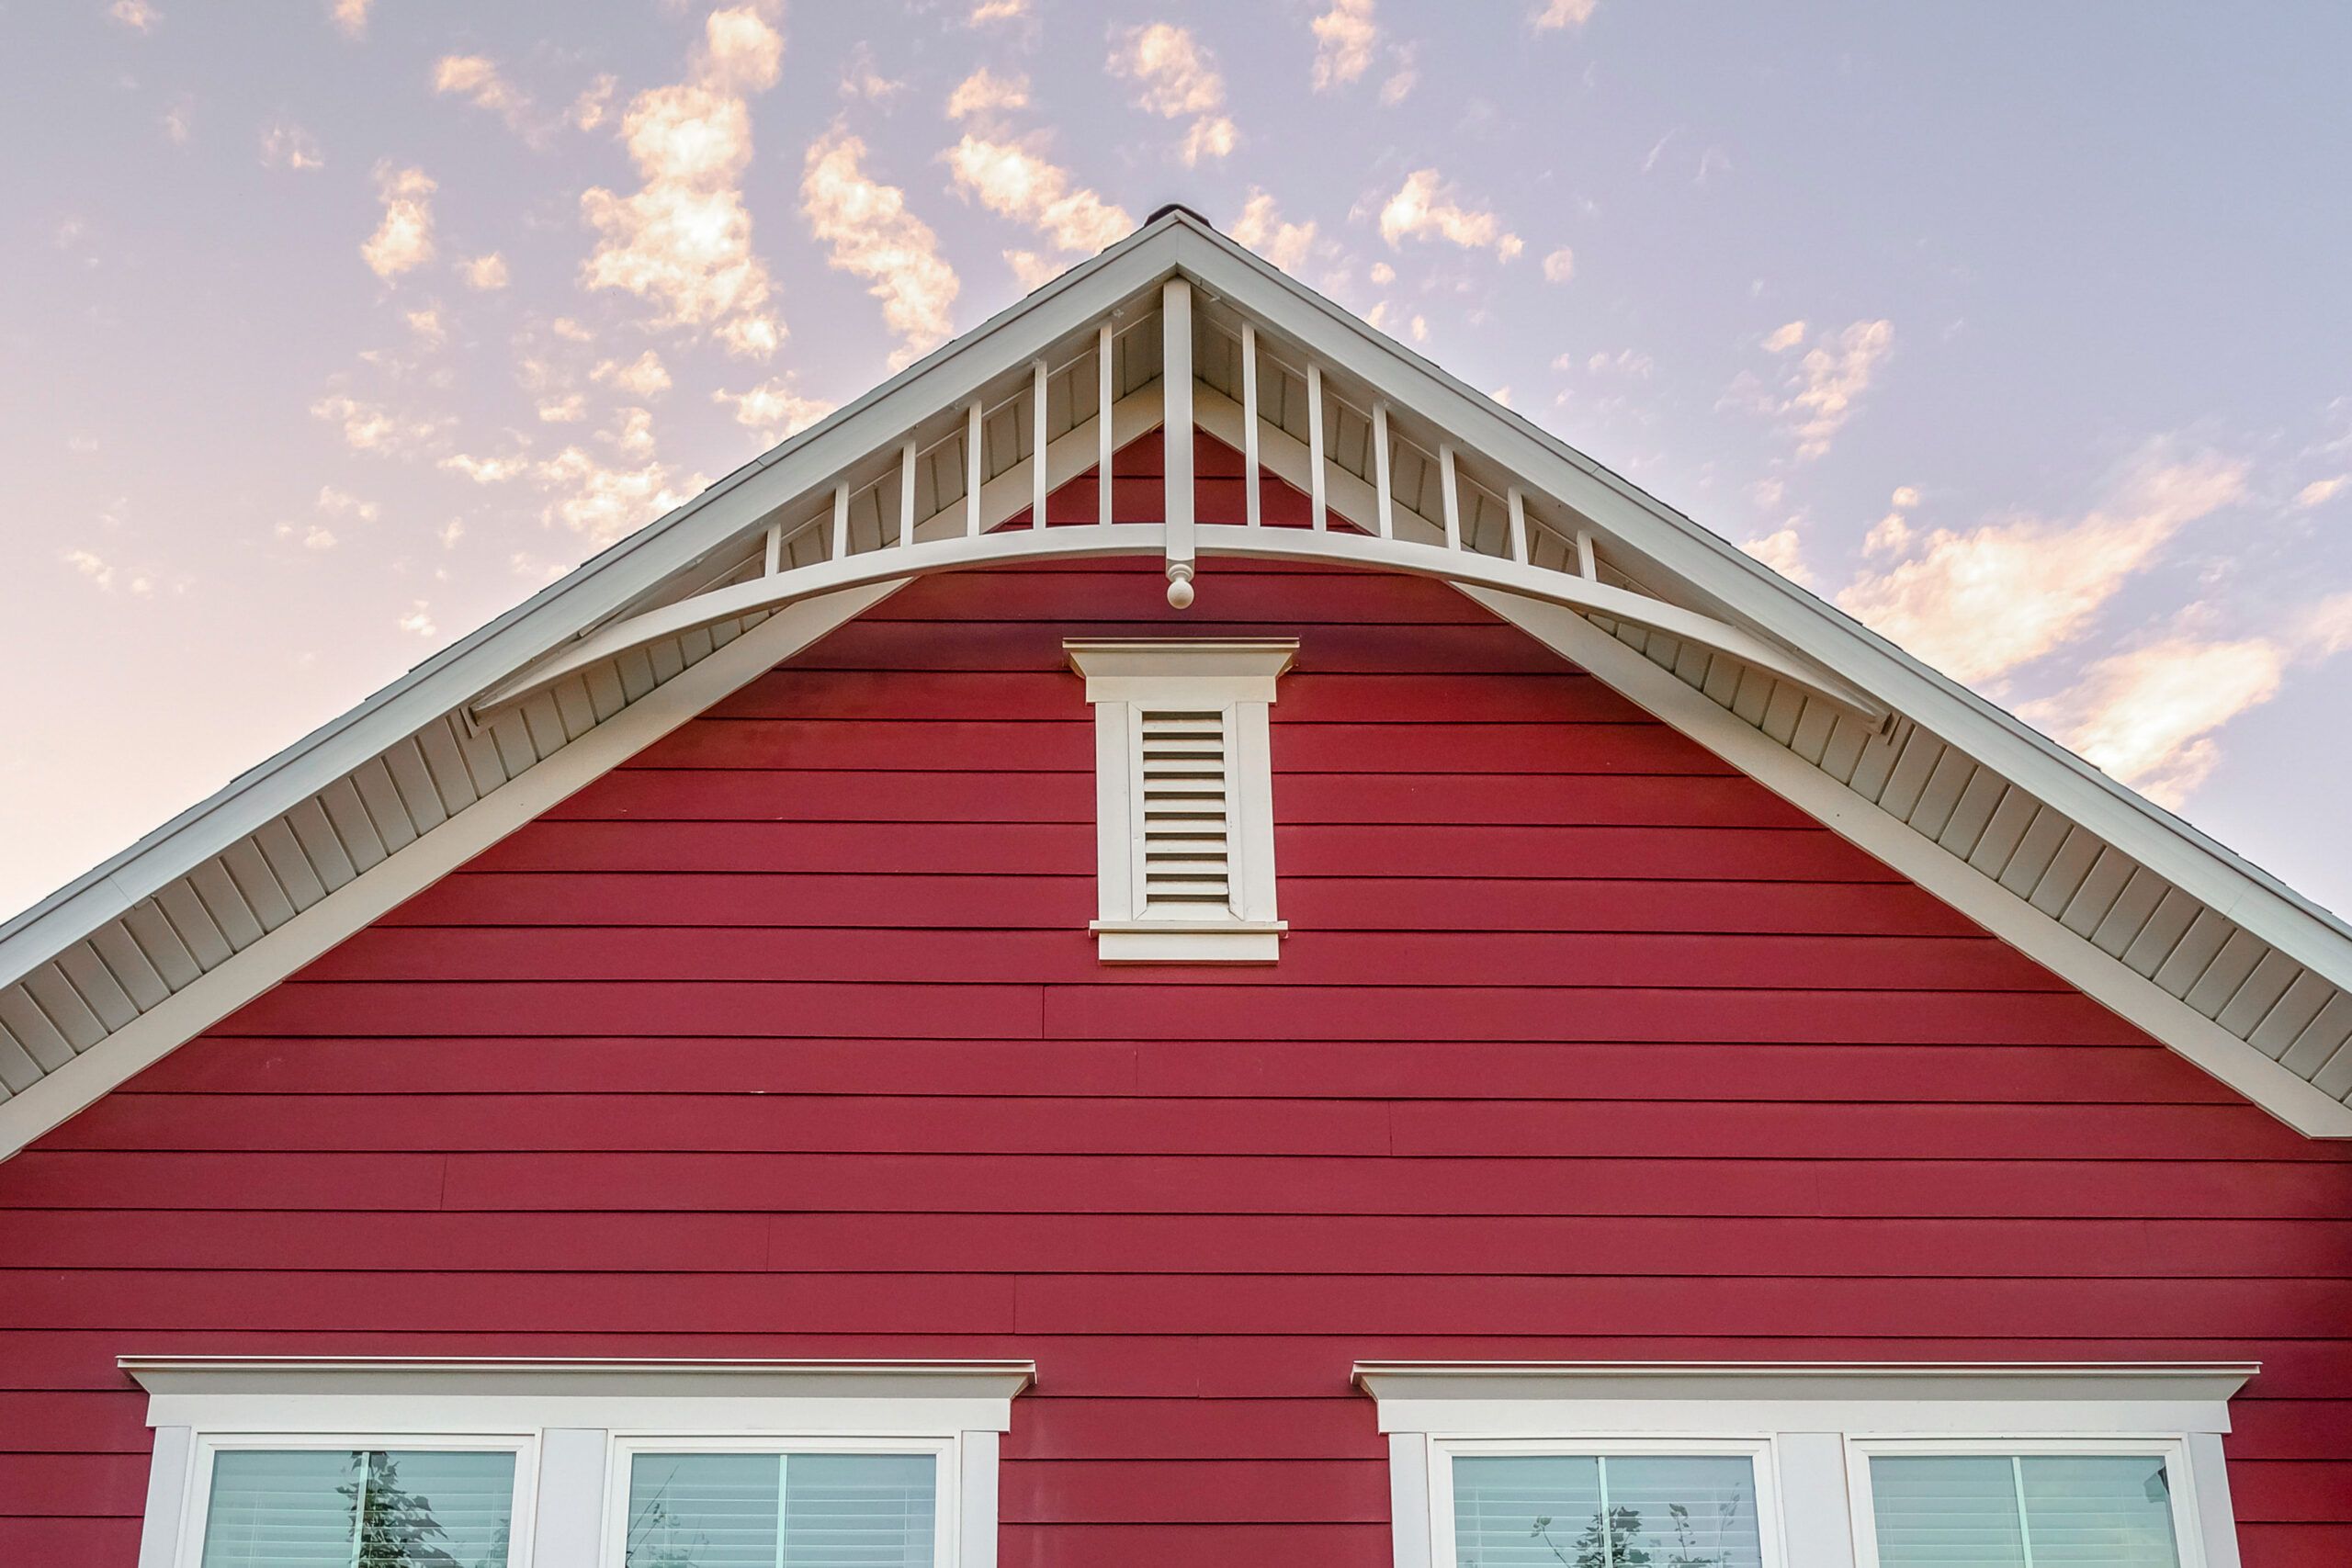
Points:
1189	942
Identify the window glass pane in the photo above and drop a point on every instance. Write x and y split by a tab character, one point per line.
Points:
1546	1511
1946	1512
836	1510
2098	1511
2087	1511
330	1508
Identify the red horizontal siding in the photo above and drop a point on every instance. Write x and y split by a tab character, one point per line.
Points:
787	1040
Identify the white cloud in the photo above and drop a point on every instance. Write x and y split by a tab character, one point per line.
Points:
403	241
1501	395
862	81
427	324
179	120
682	241
984	95
485	471
775	409
1560	265
1904	495
484	272
372	427
1982	604
1833	378
451	532
1424	207
475	77
986	11
1034	271
1345	37
136	15
418	622
873	236
1784	337
2147	716
310	536
285	145
1400	82
1784	551
1262	229
333	503
1015	182
570	408
1209	137
1557	14
2319	492
351	16
593	104
601	502
1174	78
90	565
643	376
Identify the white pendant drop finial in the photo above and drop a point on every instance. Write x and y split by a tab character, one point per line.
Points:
1179	586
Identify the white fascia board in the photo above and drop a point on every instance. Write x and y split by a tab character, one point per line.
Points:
503	1394
1943	1399
1728	582
604	585
220	991
2106	980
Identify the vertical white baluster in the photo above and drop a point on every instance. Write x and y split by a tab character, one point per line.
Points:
1452	496
1380	469
1314	444
774	558
1037	444
1587	567
1249	424
1176	433
907	493
1518	526
1103	426
840	520
975	440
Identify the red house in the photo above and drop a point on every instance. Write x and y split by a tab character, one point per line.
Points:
1175	941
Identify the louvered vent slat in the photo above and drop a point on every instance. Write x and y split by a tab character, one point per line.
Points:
1187	816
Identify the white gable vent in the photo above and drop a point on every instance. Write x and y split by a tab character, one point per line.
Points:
1184	797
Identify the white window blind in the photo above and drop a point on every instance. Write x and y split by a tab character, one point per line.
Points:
1187	842
800	1511
2023	1511
1606	1511
337	1508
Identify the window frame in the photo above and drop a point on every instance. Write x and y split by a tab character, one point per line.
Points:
1444	1449
567	1421
1814	1417
947	1456
207	1446
2189	1540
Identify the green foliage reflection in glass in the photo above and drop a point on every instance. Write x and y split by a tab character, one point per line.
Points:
1617	1511
342	1509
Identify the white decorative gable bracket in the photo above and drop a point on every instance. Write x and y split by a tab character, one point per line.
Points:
871	525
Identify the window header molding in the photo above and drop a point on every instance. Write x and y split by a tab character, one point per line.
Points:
2012	1399
430	1394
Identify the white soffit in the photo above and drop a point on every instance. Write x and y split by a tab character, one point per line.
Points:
2173	931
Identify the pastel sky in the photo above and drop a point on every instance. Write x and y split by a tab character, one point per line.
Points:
331	328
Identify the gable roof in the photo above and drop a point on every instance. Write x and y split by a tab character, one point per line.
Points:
2206	951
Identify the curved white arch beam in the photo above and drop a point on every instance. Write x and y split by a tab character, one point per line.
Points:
896	564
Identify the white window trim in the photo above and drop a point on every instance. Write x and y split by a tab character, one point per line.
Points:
1813	1419
569	1421
1236	677
2181	1466
1443	1450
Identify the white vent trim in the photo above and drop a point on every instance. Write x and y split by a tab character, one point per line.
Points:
1184	797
